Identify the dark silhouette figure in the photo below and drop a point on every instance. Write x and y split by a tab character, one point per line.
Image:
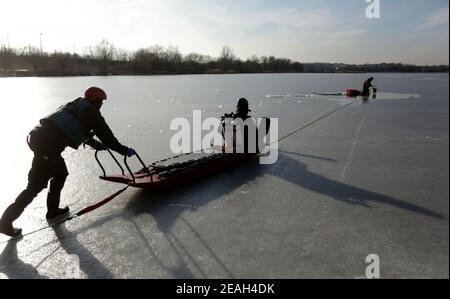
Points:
72	125
366	87
301	176
89	264
15	268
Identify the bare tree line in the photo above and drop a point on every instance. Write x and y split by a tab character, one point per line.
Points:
106	59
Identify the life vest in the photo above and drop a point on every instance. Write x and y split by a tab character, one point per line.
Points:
71	120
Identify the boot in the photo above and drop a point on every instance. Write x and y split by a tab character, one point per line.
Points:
53	210
55	214
9	230
12	213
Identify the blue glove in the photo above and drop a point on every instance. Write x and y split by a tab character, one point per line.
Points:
131	152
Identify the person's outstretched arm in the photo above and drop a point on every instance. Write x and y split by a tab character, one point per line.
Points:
104	133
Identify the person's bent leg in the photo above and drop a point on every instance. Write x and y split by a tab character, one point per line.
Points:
37	181
54	194
22	201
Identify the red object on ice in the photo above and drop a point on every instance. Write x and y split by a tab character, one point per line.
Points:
179	170
353	93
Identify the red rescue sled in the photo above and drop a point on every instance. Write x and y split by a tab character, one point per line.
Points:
177	170
180	169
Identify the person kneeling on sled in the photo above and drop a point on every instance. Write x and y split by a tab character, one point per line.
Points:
71	125
241	122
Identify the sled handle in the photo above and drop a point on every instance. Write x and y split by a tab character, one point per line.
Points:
131	172
101	166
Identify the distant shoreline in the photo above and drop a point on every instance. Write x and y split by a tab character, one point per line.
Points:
27	74
105	59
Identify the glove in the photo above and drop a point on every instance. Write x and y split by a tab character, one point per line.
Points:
131	152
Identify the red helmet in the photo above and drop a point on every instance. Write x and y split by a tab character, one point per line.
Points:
95	94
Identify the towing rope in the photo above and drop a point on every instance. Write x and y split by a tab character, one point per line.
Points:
313	122
114	195
98	205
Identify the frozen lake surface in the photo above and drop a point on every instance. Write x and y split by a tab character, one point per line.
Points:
370	179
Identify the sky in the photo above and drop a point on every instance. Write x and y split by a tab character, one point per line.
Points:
408	31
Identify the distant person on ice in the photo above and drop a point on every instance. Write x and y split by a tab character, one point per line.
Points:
71	125
366	87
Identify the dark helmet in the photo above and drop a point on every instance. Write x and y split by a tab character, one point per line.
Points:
371	79
95	94
242	104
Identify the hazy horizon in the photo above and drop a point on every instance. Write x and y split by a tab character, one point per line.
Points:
410	32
